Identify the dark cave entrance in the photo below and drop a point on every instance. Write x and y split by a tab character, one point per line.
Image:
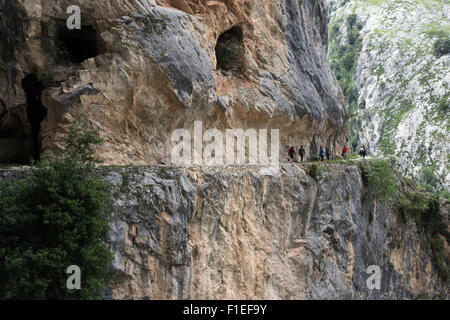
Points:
79	44
36	112
230	49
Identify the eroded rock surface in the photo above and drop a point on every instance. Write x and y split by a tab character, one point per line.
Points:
206	234
155	71
233	233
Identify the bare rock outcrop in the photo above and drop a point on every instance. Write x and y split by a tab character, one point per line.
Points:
206	234
137	70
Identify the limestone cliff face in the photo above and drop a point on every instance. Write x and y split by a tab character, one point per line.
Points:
193	233
206	234
152	69
139	69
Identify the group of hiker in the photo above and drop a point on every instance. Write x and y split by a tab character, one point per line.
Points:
324	152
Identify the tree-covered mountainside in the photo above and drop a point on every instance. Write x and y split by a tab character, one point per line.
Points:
392	61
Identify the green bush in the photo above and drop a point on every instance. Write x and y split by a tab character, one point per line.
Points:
414	205
334	30
424	208
437	244
441	46
314	171
445	195
54	219
364	173
421	207
444	103
351	20
428	178
381	180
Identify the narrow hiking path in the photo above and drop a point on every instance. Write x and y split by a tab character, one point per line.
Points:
333	160
338	160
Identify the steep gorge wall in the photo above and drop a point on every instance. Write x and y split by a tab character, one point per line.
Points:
191	233
154	70
209	234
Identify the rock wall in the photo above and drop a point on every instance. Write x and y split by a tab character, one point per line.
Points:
154	71
208	234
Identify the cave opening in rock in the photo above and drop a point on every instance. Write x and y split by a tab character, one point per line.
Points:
230	49
80	44
36	112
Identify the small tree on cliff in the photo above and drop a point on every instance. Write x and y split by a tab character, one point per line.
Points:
54	219
379	179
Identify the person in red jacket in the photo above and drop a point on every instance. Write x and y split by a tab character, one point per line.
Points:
344	152
291	153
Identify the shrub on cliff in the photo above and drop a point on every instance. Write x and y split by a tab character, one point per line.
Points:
414	205
437	244
54	219
424	208
380	180
428	178
444	103
441	46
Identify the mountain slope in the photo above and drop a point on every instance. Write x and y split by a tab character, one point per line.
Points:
391	59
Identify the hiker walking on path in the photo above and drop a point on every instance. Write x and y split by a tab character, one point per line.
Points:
344	152
291	153
328	153
301	153
363	152
322	153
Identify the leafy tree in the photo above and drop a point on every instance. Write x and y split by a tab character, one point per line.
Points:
54	219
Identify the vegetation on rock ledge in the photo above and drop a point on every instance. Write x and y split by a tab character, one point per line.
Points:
52	220
379	178
424	209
